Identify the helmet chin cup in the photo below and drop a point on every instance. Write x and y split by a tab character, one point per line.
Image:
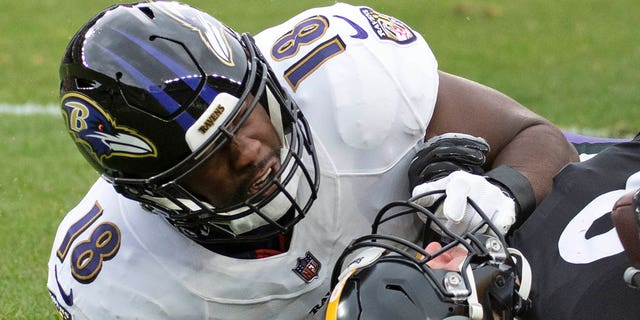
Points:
151	90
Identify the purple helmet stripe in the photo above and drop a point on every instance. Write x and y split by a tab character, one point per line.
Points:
165	100
207	94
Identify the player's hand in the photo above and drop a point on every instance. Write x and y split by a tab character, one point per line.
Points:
446	153
456	213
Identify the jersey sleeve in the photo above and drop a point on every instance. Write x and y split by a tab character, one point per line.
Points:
366	81
94	270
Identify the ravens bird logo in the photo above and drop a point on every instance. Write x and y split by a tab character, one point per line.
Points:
91	126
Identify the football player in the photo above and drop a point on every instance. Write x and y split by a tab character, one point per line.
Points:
233	170
582	269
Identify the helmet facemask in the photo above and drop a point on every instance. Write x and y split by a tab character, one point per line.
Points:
203	221
392	275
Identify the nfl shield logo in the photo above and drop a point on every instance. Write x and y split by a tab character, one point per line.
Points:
307	268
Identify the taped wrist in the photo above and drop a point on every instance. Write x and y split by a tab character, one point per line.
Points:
517	186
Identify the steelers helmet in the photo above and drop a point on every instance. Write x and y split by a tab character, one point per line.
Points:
390	277
150	91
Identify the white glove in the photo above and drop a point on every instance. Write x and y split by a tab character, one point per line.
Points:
455	212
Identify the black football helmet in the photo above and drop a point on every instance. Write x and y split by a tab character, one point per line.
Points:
151	90
389	277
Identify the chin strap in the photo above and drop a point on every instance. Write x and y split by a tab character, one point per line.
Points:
526	280
475	307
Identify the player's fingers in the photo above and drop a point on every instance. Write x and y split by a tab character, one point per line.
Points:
432	247
455	204
429	200
448	260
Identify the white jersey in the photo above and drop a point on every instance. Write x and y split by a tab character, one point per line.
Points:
367	84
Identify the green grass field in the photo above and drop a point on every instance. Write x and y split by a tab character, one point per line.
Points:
574	62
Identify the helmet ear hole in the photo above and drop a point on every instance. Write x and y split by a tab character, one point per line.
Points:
398	289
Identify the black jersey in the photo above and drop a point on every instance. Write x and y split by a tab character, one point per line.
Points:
576	257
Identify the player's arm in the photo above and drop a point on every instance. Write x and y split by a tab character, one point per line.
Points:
518	137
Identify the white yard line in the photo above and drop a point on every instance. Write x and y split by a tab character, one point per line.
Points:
54	110
29	109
